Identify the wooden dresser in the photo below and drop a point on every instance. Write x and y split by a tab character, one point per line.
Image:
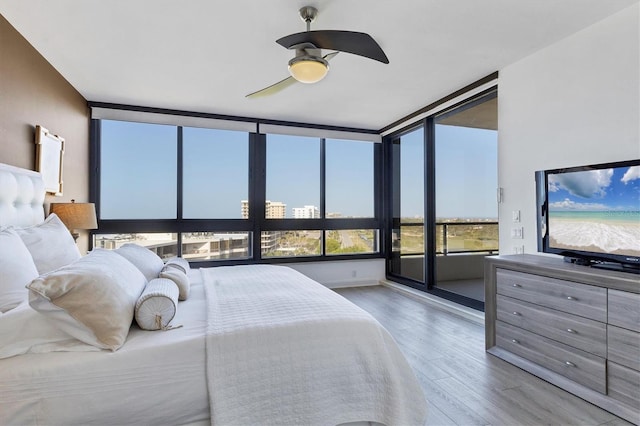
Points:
574	326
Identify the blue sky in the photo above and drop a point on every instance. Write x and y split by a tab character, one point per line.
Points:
466	173
596	190
293	171
216	176
293	174
139	172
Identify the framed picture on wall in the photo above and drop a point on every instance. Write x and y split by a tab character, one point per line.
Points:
49	152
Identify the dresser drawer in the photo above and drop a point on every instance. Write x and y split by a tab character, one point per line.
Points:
580	299
624	347
624	384
581	367
624	309
581	333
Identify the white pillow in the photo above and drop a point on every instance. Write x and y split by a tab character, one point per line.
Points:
144	259
16	270
157	304
23	330
180	279
50	244
92	299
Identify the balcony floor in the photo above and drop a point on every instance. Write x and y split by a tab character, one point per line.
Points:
473	288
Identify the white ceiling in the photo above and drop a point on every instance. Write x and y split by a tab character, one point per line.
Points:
206	55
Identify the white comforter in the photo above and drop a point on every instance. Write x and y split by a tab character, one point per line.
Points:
284	350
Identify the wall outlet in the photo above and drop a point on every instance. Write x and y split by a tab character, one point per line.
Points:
517	233
518	249
515	216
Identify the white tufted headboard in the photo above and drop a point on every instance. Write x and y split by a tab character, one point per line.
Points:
21	196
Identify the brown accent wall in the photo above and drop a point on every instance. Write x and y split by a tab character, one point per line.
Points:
32	92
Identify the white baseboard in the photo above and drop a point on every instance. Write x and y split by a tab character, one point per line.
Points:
350	283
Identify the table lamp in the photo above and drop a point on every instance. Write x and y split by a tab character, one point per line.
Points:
75	216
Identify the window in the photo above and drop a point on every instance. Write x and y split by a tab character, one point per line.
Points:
297	170
349	178
232	196
138	170
164	245
215	173
466	181
408	185
293	177
216	245
351	241
298	243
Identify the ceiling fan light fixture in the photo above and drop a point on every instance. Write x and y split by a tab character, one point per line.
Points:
308	69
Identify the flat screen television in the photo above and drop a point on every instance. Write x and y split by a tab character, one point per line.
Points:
591	214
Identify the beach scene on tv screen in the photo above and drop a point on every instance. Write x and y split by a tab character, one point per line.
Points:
595	210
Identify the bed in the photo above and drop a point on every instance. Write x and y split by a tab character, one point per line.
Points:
257	344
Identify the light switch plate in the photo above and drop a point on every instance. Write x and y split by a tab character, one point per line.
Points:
515	216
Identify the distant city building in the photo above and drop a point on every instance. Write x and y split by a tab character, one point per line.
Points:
273	209
209	245
306	212
195	245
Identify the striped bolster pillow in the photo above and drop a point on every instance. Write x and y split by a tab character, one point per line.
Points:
157	304
179	278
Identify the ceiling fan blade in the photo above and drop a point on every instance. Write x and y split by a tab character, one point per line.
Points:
361	44
274	88
282	84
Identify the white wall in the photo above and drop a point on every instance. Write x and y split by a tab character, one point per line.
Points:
344	273
573	103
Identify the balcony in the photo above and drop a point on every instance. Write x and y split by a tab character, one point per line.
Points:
460	250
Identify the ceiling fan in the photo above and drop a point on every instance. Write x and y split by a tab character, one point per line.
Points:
309	66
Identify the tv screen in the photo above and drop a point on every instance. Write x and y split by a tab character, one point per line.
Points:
592	212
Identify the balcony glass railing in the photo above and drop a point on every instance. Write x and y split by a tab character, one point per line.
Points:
451	238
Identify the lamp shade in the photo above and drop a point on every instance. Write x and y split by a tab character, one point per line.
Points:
308	69
75	215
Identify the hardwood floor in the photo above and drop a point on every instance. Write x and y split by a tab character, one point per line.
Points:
462	383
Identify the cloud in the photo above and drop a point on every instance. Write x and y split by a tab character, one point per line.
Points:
632	174
587	184
553	184
568	204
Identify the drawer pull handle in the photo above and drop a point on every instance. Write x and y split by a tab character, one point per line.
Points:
516	285
571	298
515	341
569	363
516	313
572	331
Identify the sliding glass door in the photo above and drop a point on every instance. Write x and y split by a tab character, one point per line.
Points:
407	199
466	179
443	210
